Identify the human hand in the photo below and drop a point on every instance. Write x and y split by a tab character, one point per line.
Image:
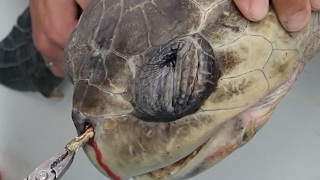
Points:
293	15
52	23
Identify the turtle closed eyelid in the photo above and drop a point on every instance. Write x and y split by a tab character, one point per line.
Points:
174	80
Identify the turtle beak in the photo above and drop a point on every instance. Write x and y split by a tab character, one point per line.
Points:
80	121
93	148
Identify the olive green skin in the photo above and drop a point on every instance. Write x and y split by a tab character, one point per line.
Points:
233	71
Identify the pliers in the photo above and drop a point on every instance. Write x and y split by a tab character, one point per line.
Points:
55	167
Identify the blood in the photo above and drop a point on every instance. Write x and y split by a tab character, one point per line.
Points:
98	153
99	159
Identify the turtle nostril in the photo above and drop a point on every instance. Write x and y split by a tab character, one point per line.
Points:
80	121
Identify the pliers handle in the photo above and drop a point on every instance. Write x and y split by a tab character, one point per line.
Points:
54	168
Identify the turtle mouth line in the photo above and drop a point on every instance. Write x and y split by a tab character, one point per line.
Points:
177	166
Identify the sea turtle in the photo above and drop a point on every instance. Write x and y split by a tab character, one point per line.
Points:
171	87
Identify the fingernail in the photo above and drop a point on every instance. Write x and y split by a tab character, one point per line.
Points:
259	9
297	21
315	4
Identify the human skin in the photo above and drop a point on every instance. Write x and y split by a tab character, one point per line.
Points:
54	20
293	14
52	23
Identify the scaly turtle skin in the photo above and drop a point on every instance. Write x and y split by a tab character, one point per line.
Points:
172	87
21	65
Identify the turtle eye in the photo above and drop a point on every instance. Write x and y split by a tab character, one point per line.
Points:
170	58
175	79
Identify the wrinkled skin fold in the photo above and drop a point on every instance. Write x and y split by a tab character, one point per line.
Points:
173	87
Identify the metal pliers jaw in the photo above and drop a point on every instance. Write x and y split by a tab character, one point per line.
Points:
54	168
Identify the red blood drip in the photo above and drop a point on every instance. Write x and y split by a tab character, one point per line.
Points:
99	159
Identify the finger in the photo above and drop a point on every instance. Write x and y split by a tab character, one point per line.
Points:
49	52
43	45
56	68
293	15
62	19
254	10
83	3
315	5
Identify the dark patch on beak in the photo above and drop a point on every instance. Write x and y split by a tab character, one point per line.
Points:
81	121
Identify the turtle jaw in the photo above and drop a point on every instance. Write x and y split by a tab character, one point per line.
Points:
234	134
100	151
92	150
121	148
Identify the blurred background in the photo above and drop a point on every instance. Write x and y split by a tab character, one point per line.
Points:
33	129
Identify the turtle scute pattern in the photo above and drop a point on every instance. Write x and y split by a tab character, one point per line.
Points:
108	57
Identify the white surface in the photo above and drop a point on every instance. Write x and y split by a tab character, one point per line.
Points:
33	129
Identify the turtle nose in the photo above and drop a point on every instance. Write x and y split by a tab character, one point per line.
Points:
80	121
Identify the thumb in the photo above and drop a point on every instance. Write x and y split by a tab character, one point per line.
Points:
254	10
293	16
